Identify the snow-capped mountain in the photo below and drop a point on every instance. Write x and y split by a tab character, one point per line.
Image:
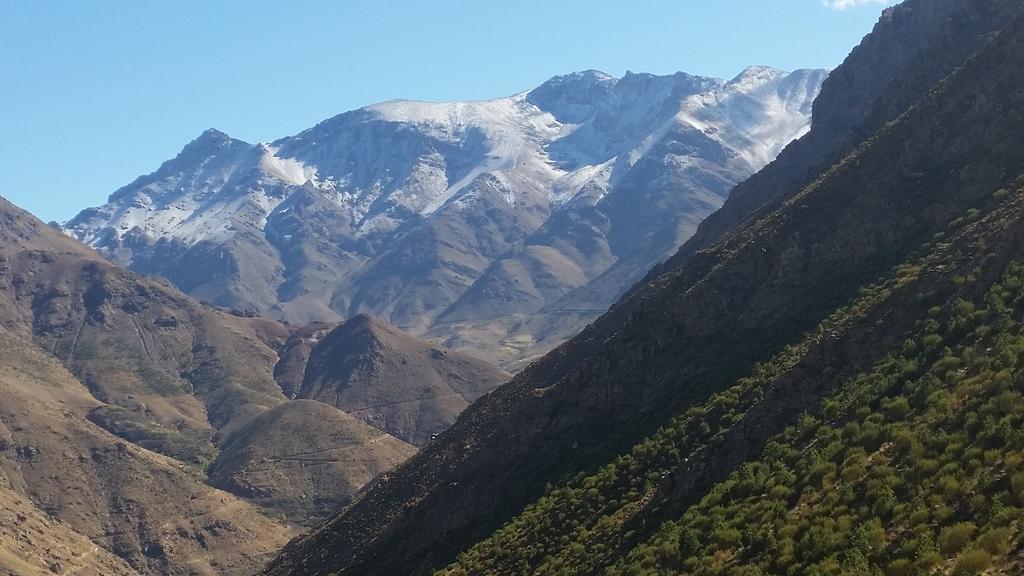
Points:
471	221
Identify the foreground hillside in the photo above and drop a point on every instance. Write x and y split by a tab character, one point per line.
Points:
831	387
462	220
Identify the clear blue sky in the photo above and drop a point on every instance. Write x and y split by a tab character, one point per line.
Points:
95	93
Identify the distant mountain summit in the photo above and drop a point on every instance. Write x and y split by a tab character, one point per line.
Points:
475	219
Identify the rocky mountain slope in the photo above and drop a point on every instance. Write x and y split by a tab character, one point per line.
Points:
833	385
33	544
456	220
176	377
122	401
398	383
80	497
305	459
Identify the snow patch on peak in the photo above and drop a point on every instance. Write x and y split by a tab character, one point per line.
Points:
756	114
756	78
287	170
452	115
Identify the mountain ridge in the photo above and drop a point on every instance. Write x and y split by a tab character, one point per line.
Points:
428	214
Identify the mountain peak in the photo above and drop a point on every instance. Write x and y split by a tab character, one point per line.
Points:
363	323
210	143
210	140
321	223
213	134
591	75
757	74
366	368
571	97
364	319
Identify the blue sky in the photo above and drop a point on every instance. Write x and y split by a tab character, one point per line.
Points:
93	94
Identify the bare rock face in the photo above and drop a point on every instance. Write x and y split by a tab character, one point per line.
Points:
459	221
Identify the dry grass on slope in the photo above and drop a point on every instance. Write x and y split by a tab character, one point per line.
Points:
33	544
152	511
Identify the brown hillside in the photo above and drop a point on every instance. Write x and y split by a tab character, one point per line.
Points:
177	376
33	544
305	458
152	511
394	381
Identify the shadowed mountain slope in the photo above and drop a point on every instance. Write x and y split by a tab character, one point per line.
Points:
914	45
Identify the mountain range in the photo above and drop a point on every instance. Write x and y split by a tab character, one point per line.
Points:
252	365
826	380
499	227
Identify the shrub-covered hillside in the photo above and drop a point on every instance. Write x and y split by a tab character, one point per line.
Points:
913	466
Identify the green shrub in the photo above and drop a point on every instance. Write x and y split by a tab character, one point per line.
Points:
928	561
901	567
726	538
952	539
870	482
997	540
973	561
